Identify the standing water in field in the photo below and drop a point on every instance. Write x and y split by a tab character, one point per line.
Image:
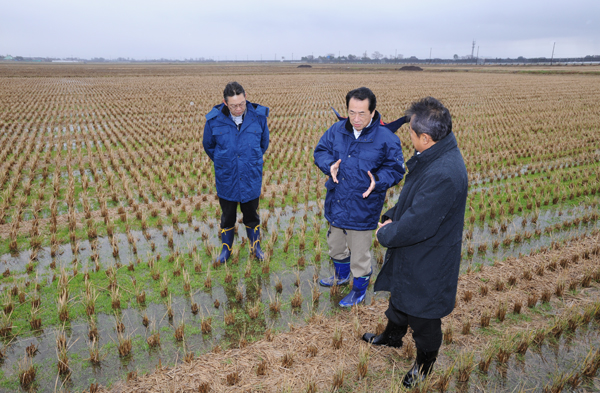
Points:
237	299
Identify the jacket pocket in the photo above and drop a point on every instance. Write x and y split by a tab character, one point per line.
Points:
371	155
223	177
367	210
221	135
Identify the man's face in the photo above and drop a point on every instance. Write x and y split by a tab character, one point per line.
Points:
415	139
236	104
358	113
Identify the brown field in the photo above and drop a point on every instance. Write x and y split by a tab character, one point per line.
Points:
149	134
92	154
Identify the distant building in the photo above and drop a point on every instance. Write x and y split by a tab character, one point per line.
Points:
8	57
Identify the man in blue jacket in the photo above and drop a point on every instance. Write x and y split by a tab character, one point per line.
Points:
423	234
362	159
235	138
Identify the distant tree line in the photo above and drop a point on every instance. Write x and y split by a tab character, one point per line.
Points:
375	57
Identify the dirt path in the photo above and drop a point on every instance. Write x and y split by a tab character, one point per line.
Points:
577	263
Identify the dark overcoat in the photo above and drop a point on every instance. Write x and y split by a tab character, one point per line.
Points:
424	239
237	154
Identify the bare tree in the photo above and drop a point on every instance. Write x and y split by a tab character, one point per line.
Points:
376	55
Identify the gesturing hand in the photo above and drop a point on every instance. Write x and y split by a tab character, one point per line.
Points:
371	187
334	170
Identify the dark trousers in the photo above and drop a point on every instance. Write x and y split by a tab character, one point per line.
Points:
427	333
249	213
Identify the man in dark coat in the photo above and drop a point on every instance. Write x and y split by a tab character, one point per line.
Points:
423	234
235	138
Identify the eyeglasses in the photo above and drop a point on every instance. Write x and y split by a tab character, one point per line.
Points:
361	115
238	106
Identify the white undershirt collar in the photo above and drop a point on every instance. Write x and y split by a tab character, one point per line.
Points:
238	119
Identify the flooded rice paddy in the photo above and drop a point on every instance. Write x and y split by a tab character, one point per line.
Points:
245	299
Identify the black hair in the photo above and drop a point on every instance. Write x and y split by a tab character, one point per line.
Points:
361	94
430	117
233	89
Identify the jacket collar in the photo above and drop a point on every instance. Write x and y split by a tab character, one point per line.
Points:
375	122
224	109
433	153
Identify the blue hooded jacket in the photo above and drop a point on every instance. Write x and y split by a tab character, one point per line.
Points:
237	155
378	150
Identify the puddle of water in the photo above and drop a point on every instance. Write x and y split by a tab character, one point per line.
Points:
546	219
537	368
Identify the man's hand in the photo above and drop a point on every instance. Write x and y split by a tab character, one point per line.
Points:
380	225
371	187
334	170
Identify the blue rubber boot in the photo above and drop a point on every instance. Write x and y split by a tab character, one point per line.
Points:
357	294
227	241
254	238
341	276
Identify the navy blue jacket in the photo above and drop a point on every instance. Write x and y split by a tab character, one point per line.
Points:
378	150
424	239
237	155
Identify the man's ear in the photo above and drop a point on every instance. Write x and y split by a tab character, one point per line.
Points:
224	102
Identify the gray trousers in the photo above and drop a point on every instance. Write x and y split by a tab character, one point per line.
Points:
356	244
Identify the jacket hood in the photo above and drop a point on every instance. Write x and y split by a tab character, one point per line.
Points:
374	122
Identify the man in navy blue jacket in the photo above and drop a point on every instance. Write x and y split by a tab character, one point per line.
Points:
235	138
423	234
362	159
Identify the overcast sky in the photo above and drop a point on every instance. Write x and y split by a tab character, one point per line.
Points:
236	29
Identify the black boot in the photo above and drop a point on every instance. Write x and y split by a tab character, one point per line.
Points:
421	369
391	336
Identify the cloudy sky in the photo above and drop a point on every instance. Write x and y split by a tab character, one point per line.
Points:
236	29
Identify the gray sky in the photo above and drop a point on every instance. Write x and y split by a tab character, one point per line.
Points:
235	29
